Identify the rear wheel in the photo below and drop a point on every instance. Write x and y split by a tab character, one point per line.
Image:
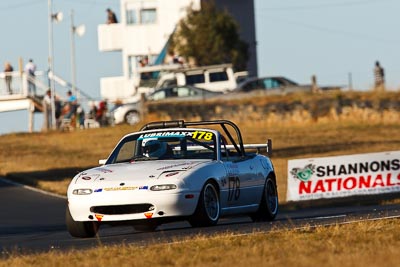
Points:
208	208
132	117
268	208
80	229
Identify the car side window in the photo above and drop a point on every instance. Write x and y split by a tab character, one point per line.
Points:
183	92
250	86
195	78
218	76
174	92
268	83
271	83
159	95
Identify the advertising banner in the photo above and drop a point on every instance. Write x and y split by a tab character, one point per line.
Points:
343	176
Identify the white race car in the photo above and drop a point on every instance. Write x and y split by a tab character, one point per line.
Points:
174	170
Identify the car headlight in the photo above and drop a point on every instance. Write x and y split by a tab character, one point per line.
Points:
84	191
162	187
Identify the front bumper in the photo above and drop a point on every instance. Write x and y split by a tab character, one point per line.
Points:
123	206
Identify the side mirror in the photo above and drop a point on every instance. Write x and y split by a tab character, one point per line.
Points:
102	161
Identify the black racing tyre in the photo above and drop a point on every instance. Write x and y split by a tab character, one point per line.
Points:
80	229
268	208
208	208
132	117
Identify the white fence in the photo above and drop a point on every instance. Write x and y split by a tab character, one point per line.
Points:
18	84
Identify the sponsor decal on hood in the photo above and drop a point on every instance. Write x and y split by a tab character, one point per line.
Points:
136	174
182	165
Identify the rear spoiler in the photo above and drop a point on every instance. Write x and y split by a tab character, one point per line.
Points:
267	146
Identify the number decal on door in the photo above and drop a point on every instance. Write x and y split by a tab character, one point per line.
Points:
233	188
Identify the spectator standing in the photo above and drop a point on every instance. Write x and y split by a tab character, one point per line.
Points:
8	69
72	102
379	75
101	115
30	69
47	110
80	114
93	110
111	17
175	59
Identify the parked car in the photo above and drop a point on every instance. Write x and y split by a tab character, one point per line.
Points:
220	78
276	85
174	170
130	112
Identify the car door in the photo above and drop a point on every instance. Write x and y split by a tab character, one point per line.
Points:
241	184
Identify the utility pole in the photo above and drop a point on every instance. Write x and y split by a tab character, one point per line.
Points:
57	17
50	62
73	72
78	30
350	81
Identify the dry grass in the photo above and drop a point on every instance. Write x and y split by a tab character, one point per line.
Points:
372	243
50	160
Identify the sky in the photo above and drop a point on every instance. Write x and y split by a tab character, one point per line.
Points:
332	39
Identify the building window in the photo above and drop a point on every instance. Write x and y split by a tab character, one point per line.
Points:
148	15
131	16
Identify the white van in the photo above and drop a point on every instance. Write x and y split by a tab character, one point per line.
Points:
218	78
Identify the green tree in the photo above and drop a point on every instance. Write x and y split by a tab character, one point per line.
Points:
210	36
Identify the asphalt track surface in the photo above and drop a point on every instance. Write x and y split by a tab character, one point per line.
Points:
31	221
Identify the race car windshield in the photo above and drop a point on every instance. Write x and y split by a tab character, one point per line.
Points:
166	145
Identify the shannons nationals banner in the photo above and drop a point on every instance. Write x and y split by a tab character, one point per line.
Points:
342	176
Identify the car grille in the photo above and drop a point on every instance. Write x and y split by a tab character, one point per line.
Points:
122	209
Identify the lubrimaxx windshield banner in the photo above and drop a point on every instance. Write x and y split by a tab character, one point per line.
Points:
343	176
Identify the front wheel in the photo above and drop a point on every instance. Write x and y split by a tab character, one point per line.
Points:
80	229
268	208
132	117
208	208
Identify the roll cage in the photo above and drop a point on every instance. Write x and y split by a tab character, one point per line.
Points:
239	147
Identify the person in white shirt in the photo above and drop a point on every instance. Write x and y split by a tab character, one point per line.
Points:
30	69
47	110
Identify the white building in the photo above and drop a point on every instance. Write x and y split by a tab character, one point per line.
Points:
144	29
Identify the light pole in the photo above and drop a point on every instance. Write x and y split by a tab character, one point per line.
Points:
57	17
80	31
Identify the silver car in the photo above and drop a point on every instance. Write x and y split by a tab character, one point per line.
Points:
277	85
130	112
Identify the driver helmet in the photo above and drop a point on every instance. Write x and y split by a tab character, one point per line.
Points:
154	148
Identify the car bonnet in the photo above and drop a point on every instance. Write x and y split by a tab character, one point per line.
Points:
139	171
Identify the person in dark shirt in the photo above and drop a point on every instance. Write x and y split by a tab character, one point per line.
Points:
8	69
379	75
111	18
